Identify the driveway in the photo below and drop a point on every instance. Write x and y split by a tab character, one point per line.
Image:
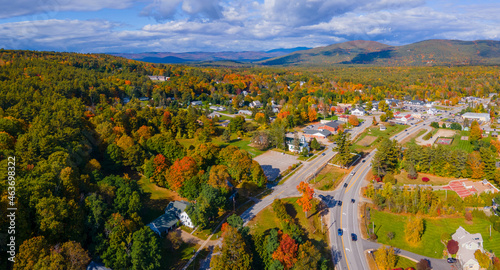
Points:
273	163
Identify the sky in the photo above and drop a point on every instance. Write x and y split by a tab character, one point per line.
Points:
130	26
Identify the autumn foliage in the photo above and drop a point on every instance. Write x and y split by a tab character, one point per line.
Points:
181	171
286	252
307	195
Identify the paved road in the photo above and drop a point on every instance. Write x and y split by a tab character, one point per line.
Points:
349	254
289	188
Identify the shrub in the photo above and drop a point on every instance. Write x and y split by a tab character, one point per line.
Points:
452	247
373	237
425	179
390	235
468	216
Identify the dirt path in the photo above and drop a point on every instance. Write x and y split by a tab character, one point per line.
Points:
190	239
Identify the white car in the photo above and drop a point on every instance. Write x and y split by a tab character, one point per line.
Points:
352	173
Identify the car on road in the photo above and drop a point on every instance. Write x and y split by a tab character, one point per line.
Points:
323	154
345	184
340	232
406	130
451	260
363	161
353	200
340	203
354	237
353	173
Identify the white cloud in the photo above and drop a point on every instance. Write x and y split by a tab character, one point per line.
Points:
168	9
51	7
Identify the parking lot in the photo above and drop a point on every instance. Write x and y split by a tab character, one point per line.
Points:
273	163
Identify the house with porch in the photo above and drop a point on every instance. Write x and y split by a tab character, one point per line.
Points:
468	244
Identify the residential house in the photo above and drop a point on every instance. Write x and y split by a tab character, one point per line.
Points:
255	104
244	112
213	114
318	134
159	78
431	111
382	127
217	108
303	144
175	212
468	244
196	103
343	118
225	123
358	112
331	126
416	103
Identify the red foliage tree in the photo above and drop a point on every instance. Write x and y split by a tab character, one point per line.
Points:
286	252
452	246
307	195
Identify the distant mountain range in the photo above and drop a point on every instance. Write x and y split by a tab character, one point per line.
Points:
424	53
176	58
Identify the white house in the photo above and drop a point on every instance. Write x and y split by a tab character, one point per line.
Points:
431	111
255	104
303	144
244	112
358	112
468	244
196	103
175	211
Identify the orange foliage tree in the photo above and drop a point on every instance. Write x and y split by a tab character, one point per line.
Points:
475	164
286	253
307	195
353	120
181	171
312	114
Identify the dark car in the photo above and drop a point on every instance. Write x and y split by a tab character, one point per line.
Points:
353	200
340	232
323	154
340	203
451	260
354	237
363	161
345	184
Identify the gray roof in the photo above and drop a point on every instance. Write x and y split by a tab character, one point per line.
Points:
314	131
96	266
333	124
172	212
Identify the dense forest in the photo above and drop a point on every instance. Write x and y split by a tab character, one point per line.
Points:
78	146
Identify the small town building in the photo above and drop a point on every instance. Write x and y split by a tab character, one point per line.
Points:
244	112
358	111
332	126
175	212
468	244
303	144
484	117
196	103
255	104
318	134
432	111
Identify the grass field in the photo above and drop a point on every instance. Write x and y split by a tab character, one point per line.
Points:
328	178
155	200
361	142
402	179
430	245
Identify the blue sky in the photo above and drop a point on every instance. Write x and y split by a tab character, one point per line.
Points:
97	26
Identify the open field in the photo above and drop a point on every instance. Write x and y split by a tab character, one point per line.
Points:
155	200
403	179
328	178
430	245
362	144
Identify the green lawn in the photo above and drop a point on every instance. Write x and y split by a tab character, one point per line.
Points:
328	178
405	263
430	245
155	200
176	258
380	134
